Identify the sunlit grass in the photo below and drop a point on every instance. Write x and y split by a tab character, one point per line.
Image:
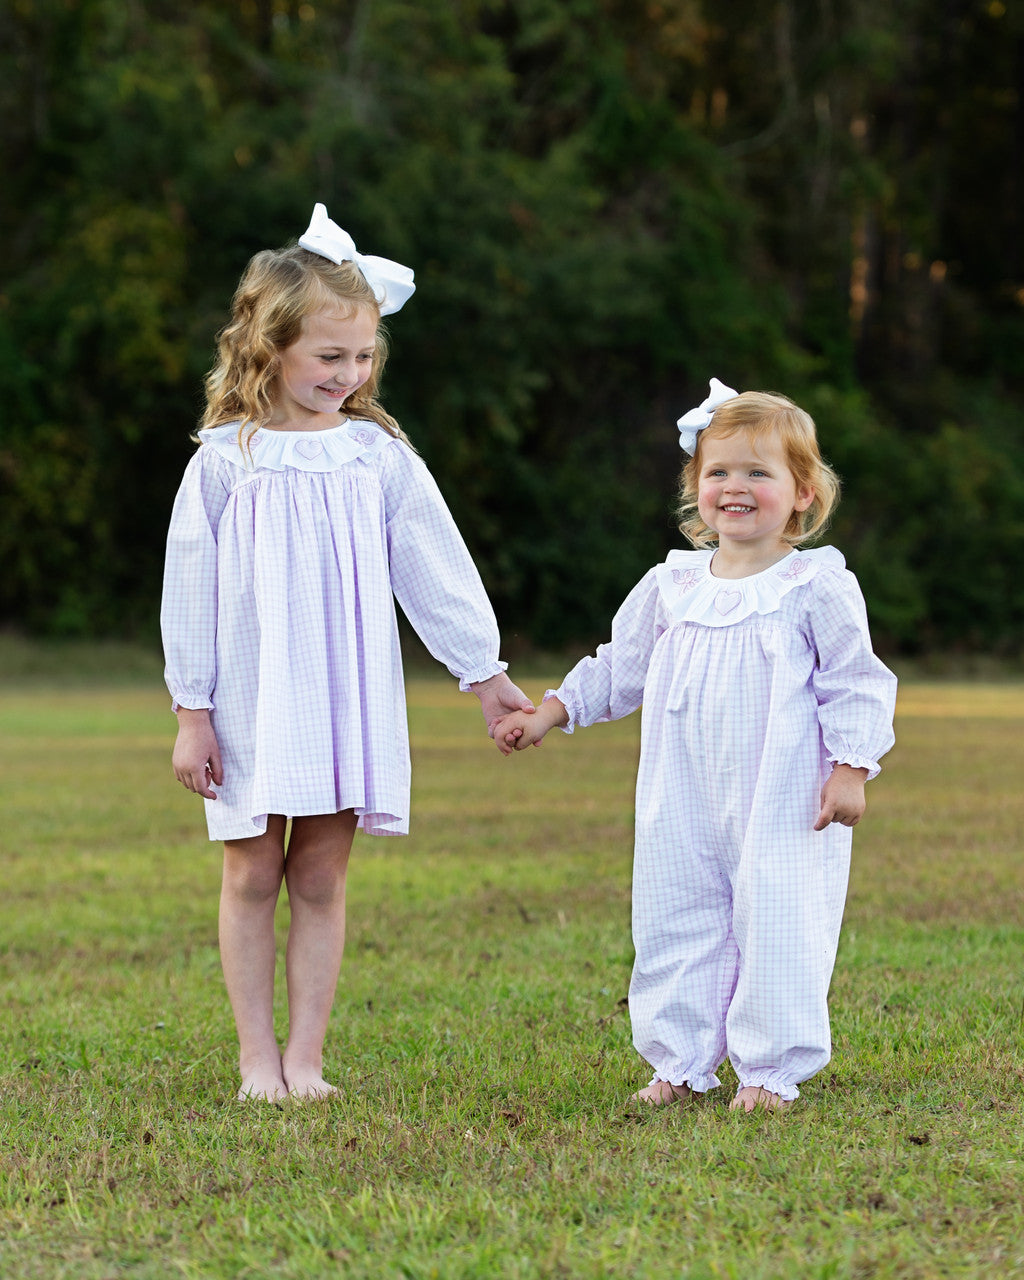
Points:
480	1035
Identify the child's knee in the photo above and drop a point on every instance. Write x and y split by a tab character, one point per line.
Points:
253	872
317	884
252	884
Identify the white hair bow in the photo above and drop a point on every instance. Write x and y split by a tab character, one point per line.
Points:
697	419
390	281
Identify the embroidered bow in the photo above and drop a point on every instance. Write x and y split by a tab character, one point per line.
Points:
697	419
391	283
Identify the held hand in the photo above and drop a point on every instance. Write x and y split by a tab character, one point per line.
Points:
522	729
517	731
196	760
842	797
498	696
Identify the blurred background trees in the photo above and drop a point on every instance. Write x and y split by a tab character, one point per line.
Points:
605	202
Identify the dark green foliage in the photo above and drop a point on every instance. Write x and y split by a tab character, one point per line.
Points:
605	203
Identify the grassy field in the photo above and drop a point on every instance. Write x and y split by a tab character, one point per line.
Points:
480	1034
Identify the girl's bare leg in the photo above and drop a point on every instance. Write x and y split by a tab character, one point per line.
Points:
253	871
315	869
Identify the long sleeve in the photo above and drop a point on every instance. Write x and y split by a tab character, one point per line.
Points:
432	573
188	612
610	684
856	692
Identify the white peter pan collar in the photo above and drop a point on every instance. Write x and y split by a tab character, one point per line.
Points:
326	450
692	594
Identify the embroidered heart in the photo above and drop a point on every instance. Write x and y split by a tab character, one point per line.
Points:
309	449
726	601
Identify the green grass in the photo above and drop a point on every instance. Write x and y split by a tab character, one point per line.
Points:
480	1034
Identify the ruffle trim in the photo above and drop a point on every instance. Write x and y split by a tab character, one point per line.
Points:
563	697
692	594
327	450
771	1082
856	761
478	674
192	702
696	1082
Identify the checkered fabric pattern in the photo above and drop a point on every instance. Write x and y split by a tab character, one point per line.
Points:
737	901
278	613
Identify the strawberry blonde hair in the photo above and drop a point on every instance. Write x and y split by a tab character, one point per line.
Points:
278	289
759	414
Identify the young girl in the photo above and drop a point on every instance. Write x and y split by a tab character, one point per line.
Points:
764	713
302	511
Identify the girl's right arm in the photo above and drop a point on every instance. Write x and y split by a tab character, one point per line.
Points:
606	686
610	684
188	619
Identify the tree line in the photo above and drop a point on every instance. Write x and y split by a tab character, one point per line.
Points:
605	201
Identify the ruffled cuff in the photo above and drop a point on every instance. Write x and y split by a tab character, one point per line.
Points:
481	673
191	700
566	701
858	762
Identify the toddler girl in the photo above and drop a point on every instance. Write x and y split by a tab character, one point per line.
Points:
764	713
301	516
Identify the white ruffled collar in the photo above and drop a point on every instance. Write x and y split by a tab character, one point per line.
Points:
326	450
692	594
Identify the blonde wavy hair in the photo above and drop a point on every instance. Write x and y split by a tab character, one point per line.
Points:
278	289
760	414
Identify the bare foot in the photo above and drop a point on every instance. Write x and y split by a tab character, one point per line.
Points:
262	1079
264	1084
663	1094
306	1081
753	1098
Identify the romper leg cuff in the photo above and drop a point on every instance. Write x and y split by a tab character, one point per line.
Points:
696	1083
771	1083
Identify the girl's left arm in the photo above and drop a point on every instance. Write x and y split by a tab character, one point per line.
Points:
437	584
856	692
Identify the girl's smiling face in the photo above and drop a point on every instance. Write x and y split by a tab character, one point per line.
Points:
331	358
746	492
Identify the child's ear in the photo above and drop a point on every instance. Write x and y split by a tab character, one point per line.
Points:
804	498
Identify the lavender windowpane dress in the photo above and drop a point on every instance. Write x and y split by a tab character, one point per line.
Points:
283	564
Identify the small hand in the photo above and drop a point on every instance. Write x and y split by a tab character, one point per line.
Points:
515	732
842	797
522	729
196	759
499	696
